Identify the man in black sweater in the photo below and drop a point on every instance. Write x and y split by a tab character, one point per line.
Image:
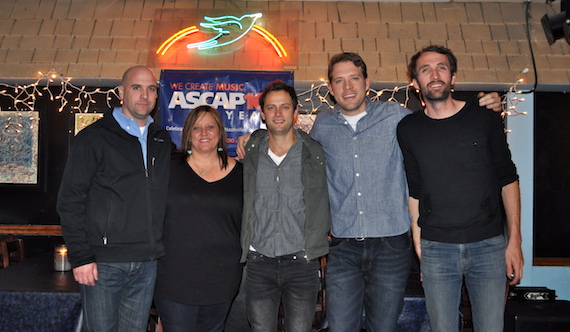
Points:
459	171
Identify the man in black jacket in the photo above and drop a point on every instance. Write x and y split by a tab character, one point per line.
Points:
111	204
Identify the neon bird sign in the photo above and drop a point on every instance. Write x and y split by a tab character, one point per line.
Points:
223	35
218	24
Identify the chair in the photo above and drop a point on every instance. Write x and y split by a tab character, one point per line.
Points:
12	250
4	258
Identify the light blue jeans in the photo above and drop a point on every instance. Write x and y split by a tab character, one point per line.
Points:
482	264
369	274
120	300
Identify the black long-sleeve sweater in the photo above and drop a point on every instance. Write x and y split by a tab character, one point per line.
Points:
456	167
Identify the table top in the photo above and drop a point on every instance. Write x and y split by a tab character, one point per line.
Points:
37	274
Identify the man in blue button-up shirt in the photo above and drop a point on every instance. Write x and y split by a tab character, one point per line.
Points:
370	256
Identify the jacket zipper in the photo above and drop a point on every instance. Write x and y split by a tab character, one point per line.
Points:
151	151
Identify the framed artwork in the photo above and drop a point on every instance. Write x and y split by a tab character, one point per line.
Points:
82	120
19	135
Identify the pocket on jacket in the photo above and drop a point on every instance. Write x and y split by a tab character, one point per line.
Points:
317	181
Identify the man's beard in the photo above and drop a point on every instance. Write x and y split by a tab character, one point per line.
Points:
437	96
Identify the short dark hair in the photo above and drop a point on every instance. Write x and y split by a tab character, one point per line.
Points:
191	120
279	85
412	70
344	57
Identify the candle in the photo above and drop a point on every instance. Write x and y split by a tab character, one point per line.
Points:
60	261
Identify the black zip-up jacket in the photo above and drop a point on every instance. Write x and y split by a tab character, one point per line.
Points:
111	207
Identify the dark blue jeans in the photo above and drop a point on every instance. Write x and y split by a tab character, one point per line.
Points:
369	274
292	280
121	298
178	317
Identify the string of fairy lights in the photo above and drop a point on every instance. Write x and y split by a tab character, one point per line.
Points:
511	99
510	103
25	96
80	99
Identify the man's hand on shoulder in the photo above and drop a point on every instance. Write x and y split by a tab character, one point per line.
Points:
86	274
240	149
490	100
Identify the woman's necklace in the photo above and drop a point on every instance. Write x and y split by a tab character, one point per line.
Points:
205	170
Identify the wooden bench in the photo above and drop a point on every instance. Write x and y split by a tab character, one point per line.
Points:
12	249
12	229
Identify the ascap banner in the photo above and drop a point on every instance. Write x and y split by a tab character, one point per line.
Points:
235	94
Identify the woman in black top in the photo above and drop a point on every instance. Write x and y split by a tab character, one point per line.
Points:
200	273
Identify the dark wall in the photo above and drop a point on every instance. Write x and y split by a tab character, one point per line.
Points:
551	174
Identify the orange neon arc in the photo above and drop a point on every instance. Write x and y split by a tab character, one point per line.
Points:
277	46
272	40
174	38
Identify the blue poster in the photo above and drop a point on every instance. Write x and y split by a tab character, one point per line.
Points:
235	94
